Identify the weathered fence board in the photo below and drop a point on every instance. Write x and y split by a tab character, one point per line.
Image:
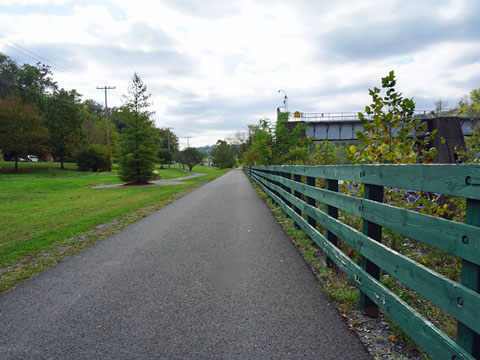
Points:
430	338
460	300
456	180
440	233
436	288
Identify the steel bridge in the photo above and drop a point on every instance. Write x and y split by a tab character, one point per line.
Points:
343	125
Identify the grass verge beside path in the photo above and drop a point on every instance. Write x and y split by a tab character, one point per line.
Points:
171	173
47	214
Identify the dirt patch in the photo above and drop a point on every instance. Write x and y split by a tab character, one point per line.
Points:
176	181
138	183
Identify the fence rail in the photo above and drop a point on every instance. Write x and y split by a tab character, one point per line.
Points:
289	185
353	116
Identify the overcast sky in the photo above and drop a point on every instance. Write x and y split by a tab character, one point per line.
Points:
215	66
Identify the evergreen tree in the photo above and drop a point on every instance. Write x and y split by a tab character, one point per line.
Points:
137	160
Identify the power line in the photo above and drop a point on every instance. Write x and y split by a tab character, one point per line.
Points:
38	57
31	57
168	136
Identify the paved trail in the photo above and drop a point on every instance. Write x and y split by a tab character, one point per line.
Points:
211	276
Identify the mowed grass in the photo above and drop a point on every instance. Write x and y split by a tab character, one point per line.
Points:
41	206
171	173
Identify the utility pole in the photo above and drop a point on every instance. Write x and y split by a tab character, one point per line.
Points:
188	142
106	125
168	134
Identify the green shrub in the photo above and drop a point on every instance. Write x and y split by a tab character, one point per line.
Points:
92	158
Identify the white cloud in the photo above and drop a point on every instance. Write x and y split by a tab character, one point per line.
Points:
34	2
213	69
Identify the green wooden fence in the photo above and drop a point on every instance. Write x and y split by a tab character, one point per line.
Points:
284	185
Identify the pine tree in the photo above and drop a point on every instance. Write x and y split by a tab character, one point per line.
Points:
137	160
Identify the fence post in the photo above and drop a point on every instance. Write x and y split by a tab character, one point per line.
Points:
281	174
298	195
275	183
466	337
280	185
287	175
311	201
331	185
373	231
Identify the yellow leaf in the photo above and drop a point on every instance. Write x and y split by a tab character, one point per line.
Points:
352	149
393	338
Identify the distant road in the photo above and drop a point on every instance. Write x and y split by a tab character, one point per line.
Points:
210	276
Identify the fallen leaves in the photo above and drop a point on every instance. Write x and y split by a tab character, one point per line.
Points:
393	338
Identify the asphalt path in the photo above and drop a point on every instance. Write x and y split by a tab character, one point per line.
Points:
210	276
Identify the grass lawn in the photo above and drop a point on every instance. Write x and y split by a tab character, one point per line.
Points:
172	173
41	206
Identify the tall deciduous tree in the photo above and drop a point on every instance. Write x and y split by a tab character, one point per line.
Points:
470	106
21	129
137	161
191	157
8	74
166	139
223	155
276	144
65	124
238	142
35	83
165	156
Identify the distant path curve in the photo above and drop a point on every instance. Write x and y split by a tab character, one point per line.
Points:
175	181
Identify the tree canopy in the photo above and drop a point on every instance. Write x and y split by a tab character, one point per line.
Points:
276	144
21	129
62	124
191	157
62	118
223	155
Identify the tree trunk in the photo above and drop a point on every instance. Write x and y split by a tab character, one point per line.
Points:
16	162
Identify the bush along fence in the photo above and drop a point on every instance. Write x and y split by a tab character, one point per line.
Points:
293	189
